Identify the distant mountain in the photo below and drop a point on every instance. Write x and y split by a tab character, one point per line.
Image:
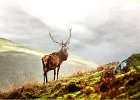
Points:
8	45
20	64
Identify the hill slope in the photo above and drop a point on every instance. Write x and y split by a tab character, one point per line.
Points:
96	84
8	45
20	64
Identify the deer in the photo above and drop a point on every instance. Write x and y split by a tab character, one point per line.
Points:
55	59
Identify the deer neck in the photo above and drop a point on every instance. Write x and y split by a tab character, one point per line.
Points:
63	54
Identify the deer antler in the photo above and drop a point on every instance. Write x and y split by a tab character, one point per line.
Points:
52	38
68	41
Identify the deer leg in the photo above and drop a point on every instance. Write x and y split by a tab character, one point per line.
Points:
54	73
46	77
58	71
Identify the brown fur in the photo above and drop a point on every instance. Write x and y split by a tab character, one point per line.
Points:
53	61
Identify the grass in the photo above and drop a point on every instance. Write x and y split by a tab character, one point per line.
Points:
101	83
95	84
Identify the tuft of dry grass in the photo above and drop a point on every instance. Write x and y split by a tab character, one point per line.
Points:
22	92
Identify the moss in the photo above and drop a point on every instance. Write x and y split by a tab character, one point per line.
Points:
122	95
88	90
138	85
56	87
54	94
94	78
135	96
70	97
78	94
120	76
121	88
95	96
138	67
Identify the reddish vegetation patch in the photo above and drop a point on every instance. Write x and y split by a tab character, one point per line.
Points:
111	93
100	68
108	84
125	70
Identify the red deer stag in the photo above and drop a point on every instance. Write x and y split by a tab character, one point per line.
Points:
54	60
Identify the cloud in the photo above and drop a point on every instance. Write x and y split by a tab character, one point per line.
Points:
103	31
17	25
121	33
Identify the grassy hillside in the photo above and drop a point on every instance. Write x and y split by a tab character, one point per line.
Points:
20	64
18	67
101	83
21	67
135	61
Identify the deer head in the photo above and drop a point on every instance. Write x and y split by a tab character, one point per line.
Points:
63	45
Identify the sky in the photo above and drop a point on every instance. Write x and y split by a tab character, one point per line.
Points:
102	30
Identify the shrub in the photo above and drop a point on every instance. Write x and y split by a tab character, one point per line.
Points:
107	79
110	94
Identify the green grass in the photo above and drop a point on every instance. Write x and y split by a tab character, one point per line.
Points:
95	84
135	61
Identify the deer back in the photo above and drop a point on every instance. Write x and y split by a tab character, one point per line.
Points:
53	61
45	58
